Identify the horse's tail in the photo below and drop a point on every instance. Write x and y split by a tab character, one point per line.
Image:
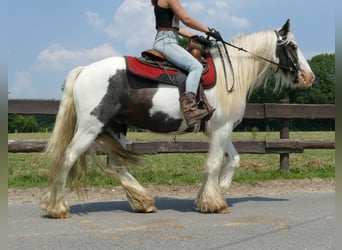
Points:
65	125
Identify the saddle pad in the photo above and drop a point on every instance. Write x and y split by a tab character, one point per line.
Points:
136	67
208	78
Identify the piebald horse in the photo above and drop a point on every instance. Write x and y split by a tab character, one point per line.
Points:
100	101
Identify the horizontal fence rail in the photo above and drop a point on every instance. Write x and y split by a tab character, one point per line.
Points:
282	146
253	111
275	146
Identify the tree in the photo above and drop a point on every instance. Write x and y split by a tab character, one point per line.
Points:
20	123
323	88
321	92
45	122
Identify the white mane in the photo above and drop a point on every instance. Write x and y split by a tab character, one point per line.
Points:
249	71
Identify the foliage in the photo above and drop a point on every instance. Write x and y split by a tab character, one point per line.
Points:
321	92
183	42
30	123
255	131
323	89
20	123
46	122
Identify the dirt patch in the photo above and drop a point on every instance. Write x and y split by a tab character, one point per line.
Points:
272	187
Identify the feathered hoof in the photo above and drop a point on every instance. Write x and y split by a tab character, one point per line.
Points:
143	205
56	210
218	205
151	209
139	200
217	210
224	210
59	211
56	214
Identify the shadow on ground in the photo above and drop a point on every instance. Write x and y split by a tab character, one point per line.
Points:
180	205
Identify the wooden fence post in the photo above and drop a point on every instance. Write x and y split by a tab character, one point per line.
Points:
284	134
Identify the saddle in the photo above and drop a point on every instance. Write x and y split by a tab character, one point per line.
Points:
153	65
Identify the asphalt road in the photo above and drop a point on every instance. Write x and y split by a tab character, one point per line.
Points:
295	221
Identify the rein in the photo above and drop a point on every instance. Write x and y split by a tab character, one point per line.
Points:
253	54
224	67
288	68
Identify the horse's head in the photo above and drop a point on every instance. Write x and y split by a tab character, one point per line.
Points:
291	59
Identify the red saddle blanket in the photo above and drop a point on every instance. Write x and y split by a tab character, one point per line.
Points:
168	75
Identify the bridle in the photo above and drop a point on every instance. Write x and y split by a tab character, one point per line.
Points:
290	66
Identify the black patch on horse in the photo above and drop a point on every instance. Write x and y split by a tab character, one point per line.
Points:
110	104
128	100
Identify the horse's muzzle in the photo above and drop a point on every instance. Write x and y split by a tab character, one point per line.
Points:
305	78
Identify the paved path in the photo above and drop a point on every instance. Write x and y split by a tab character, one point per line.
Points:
295	221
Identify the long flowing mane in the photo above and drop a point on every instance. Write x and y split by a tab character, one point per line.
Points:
249	72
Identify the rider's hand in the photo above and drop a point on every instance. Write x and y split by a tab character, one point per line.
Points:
214	34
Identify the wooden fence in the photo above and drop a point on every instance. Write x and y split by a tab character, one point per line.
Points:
283	146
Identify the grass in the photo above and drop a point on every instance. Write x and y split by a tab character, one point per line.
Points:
31	170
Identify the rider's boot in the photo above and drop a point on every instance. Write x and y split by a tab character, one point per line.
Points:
190	110
205	103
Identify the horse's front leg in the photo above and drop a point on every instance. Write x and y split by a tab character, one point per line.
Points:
228	166
210	198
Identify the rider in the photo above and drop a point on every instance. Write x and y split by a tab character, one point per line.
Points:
167	15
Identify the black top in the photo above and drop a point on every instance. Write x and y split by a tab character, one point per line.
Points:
165	17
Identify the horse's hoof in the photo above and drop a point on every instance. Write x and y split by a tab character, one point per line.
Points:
223	211
151	209
64	215
217	207
59	210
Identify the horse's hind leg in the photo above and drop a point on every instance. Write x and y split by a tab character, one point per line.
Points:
137	196
53	200
139	199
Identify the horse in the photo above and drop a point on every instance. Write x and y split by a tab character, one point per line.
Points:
99	102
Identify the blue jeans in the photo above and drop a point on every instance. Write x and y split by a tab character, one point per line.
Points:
166	42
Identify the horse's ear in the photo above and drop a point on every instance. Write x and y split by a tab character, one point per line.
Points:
285	29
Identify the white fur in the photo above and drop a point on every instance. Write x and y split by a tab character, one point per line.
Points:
166	101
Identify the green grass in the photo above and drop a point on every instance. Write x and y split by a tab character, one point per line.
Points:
31	170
